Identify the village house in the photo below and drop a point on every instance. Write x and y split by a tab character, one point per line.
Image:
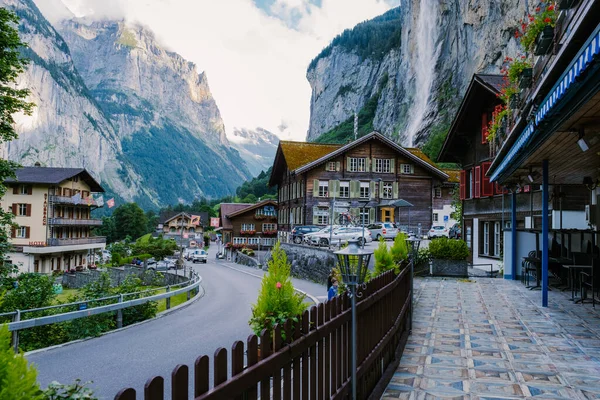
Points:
250	225
368	180
52	209
443	199
186	229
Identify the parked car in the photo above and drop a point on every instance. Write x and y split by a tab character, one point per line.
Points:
455	232
342	235
200	256
308	236
160	266
299	231
386	230
437	231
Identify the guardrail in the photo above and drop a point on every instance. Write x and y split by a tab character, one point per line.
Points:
120	304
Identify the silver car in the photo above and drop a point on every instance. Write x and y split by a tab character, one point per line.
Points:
342	235
386	230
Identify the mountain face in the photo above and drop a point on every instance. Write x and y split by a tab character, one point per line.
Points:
257	147
404	73
111	99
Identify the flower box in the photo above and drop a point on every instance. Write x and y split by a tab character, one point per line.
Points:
269	233
566	4
260	216
247	233
543	43
526	78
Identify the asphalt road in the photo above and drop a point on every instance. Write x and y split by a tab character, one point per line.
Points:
129	357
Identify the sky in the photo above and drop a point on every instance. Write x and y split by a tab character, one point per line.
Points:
254	52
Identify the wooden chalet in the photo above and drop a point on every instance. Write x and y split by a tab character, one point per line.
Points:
364	181
248	225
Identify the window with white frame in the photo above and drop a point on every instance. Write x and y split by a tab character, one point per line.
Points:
486	238
331	166
22	209
322	216
323	188
436	217
239	240
247	227
253	240
357	164
268	241
345	189
364	190
364	216
269	227
21	232
437	192
406	169
23	189
383	165
387	190
497	239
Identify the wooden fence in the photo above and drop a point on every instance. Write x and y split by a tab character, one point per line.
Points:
308	359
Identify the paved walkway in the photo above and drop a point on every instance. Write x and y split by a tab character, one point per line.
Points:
490	338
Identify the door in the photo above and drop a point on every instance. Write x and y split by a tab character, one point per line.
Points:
387	214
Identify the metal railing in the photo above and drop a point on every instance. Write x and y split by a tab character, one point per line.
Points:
69	200
75	241
75	221
119	304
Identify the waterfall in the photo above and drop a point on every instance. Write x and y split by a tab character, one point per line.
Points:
423	63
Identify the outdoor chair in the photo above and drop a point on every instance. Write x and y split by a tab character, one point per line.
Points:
590	281
529	266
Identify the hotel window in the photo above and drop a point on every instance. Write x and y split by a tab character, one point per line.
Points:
497	239
357	164
383	165
21	232
437	192
331	166
269	227
22	209
364	190
486	238
239	240
435	217
387	190
344	189
407	169
323	188
24	189
247	227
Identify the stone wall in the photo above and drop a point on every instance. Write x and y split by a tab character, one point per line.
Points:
118	275
309	263
243	259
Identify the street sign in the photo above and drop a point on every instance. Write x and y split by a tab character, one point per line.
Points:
340	210
214	222
341	204
445	218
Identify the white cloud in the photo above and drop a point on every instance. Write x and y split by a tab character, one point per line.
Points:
255	60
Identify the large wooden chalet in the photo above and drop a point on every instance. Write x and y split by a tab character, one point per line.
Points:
365	180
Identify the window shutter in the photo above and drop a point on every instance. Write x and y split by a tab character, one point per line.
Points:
28	210
331	188
487	187
27	232
477	182
353	189
393	165
13	232
347	164
412	169
29	189
314	216
14	209
395	190
371	215
16	189
484	128
367	164
337	188
315	188
373	162
463	184
372	189
498	189
337	166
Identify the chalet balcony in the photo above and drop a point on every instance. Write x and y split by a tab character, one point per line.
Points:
74	222
76	241
69	200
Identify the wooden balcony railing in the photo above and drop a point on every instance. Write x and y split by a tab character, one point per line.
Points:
76	241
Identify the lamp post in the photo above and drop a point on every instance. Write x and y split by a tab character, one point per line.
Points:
413	242
354	263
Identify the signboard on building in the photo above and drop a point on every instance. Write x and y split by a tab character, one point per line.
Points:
321	213
341	204
445	218
214	222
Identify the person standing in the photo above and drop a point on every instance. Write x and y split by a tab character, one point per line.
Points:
329	279
333	290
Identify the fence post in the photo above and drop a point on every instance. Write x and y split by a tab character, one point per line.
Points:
120	314
168	299
15	334
188	294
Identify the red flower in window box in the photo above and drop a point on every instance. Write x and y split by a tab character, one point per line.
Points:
269	233
247	233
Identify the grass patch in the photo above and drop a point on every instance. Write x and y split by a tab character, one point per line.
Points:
65	295
175	301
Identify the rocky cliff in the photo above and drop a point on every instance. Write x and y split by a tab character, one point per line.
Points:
404	72
256	146
111	99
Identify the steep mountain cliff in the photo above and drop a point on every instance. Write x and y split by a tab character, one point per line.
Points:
256	146
111	99
403	73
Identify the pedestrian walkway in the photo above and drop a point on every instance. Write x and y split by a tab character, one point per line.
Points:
490	338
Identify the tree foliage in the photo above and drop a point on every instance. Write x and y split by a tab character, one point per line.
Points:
130	220
17	379
383	258
257	187
158	247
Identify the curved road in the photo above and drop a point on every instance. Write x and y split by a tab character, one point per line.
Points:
129	357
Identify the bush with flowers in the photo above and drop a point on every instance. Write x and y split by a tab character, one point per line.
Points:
277	300
545	15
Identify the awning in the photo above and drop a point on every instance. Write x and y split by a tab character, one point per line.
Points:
394	203
576	68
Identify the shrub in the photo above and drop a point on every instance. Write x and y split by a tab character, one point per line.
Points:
277	300
58	391
448	249
399	250
17	379
383	258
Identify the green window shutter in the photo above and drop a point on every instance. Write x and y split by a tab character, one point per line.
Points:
314	215
336	189
393	165
412	169
316	188
367	164
331	188
395	189
371	215
373	165
337	166
347	163
353	193
372	189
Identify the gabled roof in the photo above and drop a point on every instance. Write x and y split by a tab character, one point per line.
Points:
184	214
492	82
230	208
453	175
252	207
54	176
297	154
378	136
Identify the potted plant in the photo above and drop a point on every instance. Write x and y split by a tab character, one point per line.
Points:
537	33
277	300
449	257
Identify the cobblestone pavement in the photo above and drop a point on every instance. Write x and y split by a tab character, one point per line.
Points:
491	339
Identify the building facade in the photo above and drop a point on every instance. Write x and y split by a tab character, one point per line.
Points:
52	210
444	196
186	229
254	225
365	181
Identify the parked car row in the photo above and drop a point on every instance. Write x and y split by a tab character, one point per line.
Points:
454	232
337	234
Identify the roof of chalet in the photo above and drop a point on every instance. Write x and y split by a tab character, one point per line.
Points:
54	176
298	154
172	217
252	207
493	82
230	208
453	175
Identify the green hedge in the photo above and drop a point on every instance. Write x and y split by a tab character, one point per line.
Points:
448	249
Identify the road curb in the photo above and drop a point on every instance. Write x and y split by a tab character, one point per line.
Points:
162	314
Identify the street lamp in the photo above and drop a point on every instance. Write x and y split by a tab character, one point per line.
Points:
413	243
354	263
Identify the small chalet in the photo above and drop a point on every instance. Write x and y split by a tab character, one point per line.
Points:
183	227
368	180
250	224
